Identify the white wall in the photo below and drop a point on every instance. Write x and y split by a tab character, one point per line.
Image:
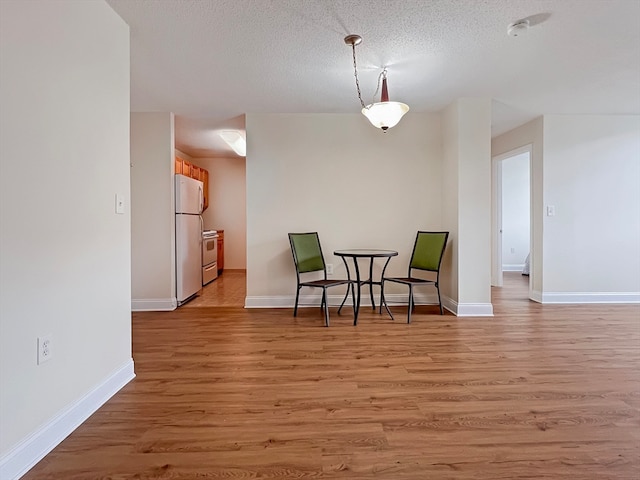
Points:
338	175
592	177
153	211
228	206
450	192
467	139
65	253
586	167
515	212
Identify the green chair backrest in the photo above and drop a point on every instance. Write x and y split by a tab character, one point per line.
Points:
306	250
428	250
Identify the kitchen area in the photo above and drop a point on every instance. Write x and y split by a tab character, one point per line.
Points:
199	251
219	290
155	164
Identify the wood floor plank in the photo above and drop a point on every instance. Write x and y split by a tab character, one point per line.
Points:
535	392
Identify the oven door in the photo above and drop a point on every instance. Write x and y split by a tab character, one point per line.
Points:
209	273
209	250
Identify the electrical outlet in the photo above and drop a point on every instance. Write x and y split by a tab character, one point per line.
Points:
329	268
513	250
44	349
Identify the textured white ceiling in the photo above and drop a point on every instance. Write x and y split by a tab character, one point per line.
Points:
212	61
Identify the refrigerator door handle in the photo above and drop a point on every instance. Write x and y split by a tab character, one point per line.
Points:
201	198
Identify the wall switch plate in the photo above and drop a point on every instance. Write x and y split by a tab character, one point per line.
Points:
119	204
551	210
329	268
44	349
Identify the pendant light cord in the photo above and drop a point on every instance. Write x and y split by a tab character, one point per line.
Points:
355	74
382	75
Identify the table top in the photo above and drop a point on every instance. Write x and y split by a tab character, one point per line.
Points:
365	252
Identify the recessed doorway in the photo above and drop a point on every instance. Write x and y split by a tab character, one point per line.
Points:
511	199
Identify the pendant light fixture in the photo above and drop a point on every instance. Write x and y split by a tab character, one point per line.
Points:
384	114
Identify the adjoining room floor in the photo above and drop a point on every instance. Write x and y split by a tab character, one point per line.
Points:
228	290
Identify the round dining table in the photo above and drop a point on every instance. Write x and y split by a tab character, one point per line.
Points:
367	253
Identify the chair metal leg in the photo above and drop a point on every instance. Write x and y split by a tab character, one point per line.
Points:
346	294
326	307
439	301
383	301
373	303
295	308
324	298
410	303
353	299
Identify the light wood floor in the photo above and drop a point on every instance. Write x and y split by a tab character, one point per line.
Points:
535	392
228	290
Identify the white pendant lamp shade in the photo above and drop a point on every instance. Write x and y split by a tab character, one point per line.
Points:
385	114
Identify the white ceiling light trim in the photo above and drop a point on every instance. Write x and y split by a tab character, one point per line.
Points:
235	140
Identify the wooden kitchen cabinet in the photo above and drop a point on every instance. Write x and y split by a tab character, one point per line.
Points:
205	181
179	162
220	251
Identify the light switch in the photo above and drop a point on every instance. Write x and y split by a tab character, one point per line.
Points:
551	210
119	203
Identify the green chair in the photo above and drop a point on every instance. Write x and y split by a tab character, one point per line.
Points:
308	258
427	256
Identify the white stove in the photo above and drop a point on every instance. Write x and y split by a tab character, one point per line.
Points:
209	256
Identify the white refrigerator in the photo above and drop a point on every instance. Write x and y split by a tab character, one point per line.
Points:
189	226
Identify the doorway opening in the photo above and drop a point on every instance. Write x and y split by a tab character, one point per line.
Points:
511	229
226	214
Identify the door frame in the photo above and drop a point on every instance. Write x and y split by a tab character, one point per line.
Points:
496	211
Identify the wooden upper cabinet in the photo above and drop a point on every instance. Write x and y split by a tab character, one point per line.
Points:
205	181
179	162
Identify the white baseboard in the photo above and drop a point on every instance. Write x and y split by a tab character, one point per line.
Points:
536	296
153	304
468	309
475	310
458	309
550	298
20	459
273	301
513	267
288	301
590	297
